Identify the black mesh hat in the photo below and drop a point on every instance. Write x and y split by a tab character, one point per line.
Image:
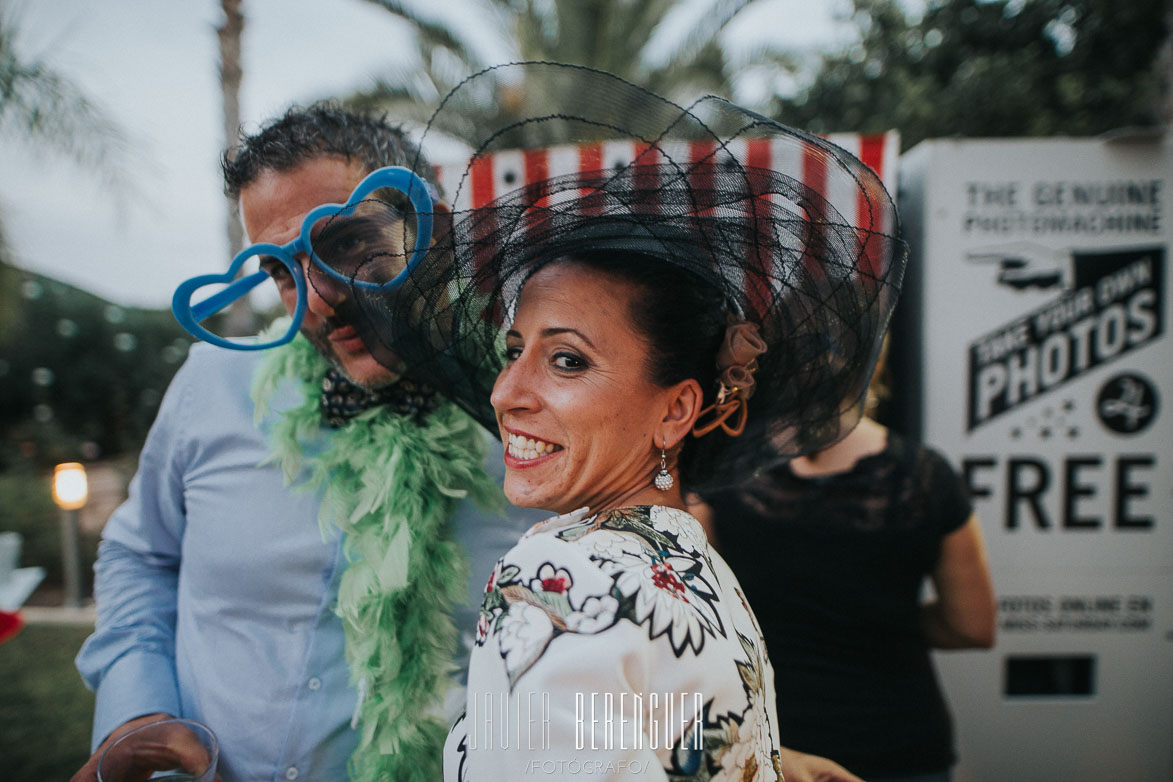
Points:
721	193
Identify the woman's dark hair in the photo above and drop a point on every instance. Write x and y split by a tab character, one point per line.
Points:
680	316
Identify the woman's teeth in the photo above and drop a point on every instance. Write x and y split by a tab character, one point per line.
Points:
528	448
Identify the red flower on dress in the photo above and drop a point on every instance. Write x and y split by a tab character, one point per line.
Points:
551	579
483	626
556	584
664	577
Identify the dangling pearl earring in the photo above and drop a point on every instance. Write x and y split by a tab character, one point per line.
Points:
663	481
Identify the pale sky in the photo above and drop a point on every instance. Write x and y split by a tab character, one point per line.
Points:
152	64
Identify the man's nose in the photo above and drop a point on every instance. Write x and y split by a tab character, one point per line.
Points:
323	293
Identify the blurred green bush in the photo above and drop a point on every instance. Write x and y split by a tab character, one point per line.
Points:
26	506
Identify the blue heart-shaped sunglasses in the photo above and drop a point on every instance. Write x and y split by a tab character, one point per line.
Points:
349	243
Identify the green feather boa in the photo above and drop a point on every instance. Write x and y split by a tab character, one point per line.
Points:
391	485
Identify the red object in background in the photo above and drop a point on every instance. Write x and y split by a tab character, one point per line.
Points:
11	623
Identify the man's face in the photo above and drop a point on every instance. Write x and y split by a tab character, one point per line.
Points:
272	208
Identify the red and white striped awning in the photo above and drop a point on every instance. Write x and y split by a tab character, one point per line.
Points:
501	172
488	177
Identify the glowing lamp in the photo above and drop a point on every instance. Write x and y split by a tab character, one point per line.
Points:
70	488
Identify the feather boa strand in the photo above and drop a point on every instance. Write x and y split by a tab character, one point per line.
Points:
391	485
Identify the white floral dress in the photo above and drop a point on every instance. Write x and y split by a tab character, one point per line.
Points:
611	645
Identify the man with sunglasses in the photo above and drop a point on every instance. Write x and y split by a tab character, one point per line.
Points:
286	581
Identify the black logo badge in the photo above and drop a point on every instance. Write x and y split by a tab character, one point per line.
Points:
1127	403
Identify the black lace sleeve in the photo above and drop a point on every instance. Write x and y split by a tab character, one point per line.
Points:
947	499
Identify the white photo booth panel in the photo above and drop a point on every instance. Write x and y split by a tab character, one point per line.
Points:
1041	307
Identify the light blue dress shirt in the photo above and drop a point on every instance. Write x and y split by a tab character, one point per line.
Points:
216	591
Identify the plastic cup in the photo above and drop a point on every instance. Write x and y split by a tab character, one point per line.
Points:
175	750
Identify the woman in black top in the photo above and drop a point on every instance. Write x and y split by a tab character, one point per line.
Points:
851	534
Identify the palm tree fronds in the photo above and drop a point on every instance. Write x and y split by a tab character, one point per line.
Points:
432	32
50	113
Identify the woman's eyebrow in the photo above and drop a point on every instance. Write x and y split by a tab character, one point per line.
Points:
554	331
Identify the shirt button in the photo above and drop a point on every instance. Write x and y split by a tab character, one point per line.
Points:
291	773
314	683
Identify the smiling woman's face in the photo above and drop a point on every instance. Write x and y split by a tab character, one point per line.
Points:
579	416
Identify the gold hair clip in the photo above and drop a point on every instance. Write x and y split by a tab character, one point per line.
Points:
719	413
737	361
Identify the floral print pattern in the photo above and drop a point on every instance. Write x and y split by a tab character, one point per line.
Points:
659	579
649	568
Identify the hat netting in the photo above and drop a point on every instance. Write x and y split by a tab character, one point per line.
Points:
805	245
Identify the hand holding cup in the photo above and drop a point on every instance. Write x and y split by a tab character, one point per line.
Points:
177	750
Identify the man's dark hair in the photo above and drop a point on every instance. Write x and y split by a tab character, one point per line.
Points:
322	129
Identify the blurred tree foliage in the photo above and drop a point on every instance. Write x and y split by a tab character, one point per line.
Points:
49	113
80	378
634	40
1000	68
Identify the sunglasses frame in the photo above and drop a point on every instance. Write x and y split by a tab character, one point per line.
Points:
420	193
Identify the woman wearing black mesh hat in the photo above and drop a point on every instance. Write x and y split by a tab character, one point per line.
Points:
674	322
